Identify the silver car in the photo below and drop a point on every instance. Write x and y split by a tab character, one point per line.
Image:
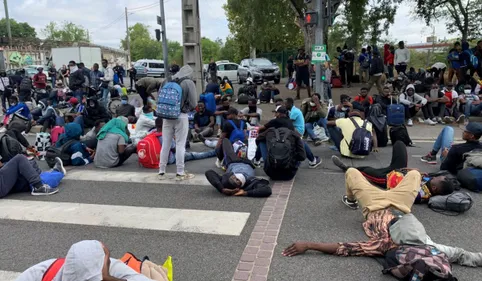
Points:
259	69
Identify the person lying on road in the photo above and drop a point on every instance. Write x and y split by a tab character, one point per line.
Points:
239	179
23	175
391	178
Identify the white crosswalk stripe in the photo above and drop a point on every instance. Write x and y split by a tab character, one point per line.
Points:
132	177
8	275
183	220
212	222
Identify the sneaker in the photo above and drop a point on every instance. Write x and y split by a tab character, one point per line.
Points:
219	132
258	102
461	119
256	163
440	121
162	176
337	161
325	139
434	119
59	166
318	142
420	120
218	163
185	176
351	204
449	119
45	189
236	101
201	138
316	162
410	122
429	122
429	158
271	101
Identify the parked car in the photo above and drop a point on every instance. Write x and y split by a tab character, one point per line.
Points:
149	68
258	69
224	68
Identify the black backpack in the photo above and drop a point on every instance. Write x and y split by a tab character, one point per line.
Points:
361	139
400	133
280	149
9	147
61	152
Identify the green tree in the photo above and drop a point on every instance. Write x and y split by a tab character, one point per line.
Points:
461	16
66	31
143	46
175	51
19	29
210	49
230	51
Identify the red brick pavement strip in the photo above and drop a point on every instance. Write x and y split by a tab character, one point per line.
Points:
257	256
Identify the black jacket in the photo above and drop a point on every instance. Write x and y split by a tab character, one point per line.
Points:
95	113
376	66
455	158
298	151
254	187
384	102
76	80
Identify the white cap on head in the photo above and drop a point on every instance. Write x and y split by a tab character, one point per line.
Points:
241	178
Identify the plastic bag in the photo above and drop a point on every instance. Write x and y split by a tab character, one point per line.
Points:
168	265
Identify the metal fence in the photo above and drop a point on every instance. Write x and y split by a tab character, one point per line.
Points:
280	58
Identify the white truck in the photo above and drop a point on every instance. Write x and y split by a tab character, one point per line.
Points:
87	55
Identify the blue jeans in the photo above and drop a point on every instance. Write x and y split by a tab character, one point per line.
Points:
219	120
105	96
444	140
190	156
53	81
472	109
272	94
263	149
309	127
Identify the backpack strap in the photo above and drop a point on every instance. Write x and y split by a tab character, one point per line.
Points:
354	123
365	124
233	124
53	269
276	132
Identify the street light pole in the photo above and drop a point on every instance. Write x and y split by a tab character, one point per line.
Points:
9	30
165	50
128	40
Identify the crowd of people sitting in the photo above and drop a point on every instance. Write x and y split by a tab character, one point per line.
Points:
172	115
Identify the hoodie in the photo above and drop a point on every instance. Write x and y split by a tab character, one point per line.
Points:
189	92
95	113
412	100
83	262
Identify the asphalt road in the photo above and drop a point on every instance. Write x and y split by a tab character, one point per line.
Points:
314	213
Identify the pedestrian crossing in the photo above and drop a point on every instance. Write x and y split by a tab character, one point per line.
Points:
209	220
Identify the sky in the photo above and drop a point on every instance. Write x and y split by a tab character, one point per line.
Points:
106	22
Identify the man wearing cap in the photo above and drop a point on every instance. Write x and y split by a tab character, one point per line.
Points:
239	179
452	156
40	79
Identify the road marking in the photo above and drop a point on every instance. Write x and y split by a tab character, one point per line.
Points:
164	219
8	275
101	175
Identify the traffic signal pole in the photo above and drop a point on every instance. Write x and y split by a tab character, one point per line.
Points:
319	41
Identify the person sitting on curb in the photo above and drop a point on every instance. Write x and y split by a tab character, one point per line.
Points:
452	156
385	99
413	103
363	101
391	177
23	175
436	103
252	113
315	114
267	140
85	260
342	129
112	148
239	179
203	122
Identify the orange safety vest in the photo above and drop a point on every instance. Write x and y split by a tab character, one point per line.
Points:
53	269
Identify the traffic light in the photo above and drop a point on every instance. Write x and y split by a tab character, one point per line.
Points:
311	18
158	34
329	11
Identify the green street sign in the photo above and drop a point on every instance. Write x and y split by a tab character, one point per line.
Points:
318	53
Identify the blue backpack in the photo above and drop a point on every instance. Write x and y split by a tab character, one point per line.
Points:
210	101
116	79
169	101
237	133
474	61
361	140
470	178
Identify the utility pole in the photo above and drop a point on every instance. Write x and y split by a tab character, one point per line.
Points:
191	30
128	41
162	21
9	30
320	8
